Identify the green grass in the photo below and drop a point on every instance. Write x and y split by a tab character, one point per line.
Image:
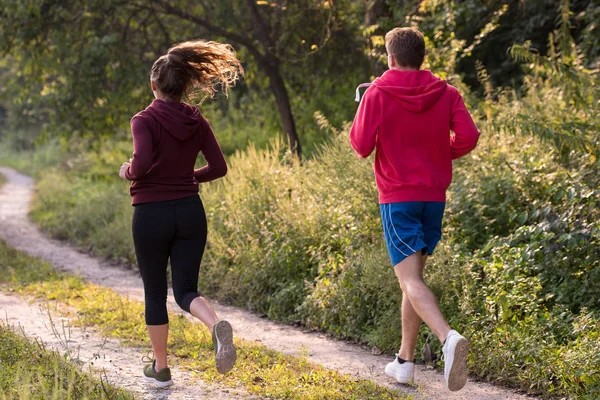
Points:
28	371
259	370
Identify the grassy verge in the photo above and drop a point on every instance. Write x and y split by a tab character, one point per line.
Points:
29	371
261	371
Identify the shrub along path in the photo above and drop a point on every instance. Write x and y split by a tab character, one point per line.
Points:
19	232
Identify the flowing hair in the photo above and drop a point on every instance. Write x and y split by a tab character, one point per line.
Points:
196	69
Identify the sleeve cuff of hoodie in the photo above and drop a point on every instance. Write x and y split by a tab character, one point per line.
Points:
128	175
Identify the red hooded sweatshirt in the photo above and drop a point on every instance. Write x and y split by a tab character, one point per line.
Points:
167	137
407	116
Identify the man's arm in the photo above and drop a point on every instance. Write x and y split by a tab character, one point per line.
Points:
363	134
466	133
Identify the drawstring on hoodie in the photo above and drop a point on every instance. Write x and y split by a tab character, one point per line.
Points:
362	85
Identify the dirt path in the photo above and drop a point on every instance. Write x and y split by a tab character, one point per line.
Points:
121	365
19	232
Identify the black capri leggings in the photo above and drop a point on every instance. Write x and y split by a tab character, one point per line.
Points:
173	229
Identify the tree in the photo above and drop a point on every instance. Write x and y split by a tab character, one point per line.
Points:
273	33
58	36
78	64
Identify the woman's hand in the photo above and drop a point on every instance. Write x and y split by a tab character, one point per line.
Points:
123	170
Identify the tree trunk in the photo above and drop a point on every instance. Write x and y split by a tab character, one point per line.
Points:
270	63
374	10
283	105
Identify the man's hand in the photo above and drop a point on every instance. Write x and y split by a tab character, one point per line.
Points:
123	170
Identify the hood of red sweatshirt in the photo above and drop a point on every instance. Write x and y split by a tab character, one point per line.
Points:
416	91
181	120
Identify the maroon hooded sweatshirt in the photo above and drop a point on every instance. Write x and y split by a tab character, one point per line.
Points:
167	137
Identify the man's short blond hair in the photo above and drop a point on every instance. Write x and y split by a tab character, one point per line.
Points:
407	46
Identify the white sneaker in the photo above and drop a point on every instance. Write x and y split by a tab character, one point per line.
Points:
403	373
455	352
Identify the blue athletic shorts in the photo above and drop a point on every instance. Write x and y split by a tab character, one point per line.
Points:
410	227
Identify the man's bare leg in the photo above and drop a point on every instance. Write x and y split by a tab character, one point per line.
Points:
422	299
411	323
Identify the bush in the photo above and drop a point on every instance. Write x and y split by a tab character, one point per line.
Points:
295	221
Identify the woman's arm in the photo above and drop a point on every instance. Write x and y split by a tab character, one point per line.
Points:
216	166
141	162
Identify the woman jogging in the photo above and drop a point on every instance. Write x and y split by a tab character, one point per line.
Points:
169	222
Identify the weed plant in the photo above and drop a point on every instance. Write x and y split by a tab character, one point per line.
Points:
28	371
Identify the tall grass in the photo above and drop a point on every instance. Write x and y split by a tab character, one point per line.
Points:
295	221
34	160
29	371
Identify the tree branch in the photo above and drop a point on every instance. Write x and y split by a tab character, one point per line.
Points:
263	32
234	37
167	37
144	26
127	26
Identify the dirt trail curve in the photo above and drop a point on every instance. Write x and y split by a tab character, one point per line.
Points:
19	232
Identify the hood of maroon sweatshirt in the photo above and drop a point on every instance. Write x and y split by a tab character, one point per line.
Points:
181	120
416	91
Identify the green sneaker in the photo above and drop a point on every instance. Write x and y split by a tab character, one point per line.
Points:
161	379
225	354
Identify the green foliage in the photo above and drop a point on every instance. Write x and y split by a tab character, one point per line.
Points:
73	64
483	31
561	104
229	119
81	69
97	217
521	21
34	160
82	200
275	219
358	300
